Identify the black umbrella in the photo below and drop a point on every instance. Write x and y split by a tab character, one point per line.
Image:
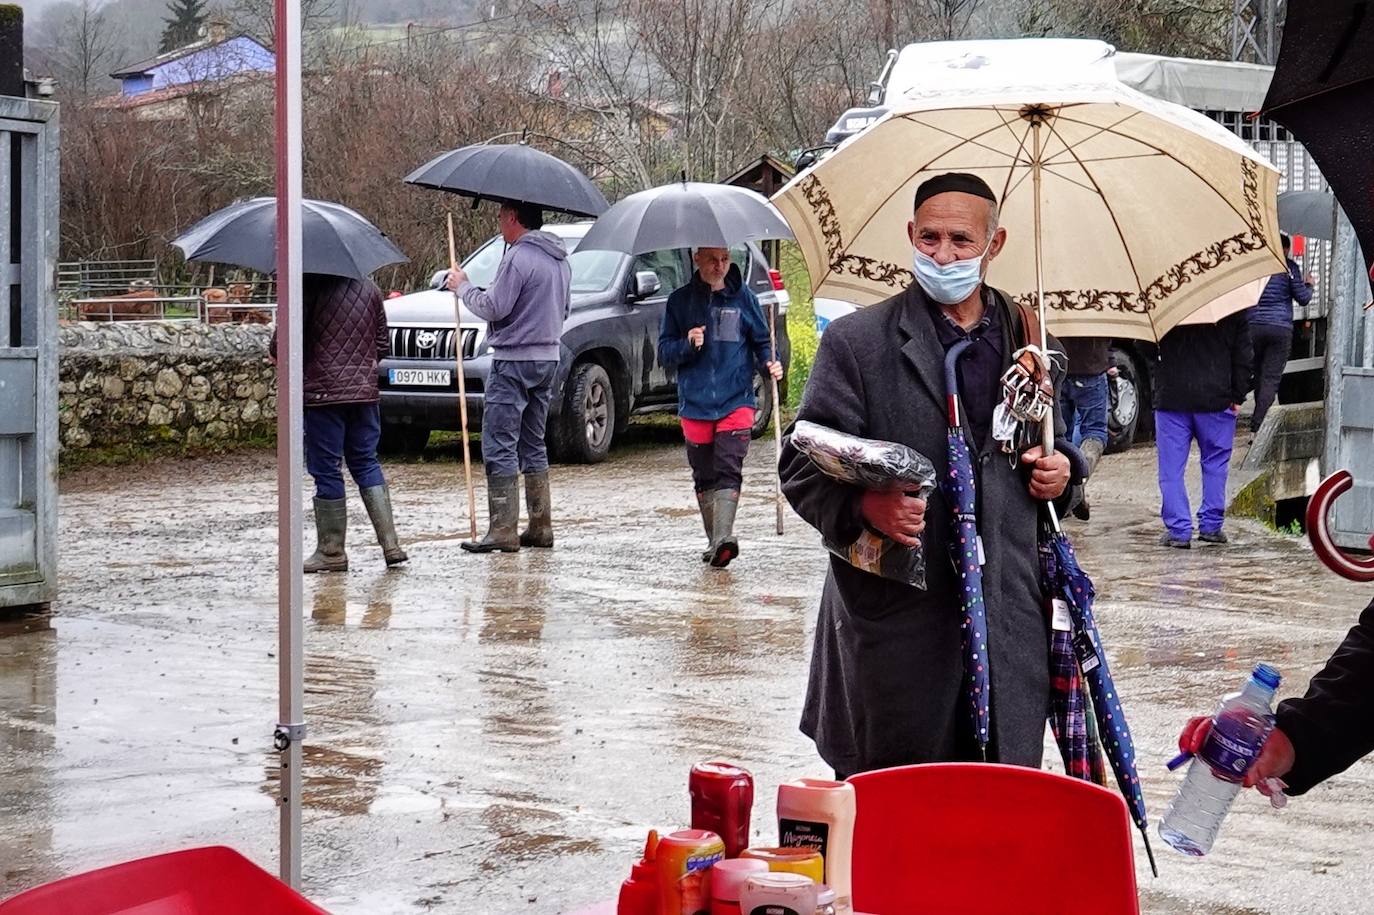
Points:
334	239
685	215
1321	92
1308	213
512	173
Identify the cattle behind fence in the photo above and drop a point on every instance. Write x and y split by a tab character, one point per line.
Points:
132	291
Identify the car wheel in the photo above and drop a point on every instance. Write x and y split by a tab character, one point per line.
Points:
400	438
763	397
1124	402
588	416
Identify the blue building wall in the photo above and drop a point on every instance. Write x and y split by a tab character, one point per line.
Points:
234	57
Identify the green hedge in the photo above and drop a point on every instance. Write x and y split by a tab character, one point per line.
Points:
801	323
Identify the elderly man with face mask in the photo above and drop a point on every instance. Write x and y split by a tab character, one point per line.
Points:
887	684
715	335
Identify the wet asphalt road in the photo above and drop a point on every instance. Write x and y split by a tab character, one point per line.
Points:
495	734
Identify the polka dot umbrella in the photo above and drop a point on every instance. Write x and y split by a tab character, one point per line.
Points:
966	549
1075	635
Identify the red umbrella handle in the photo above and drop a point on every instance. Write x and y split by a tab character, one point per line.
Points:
1319	530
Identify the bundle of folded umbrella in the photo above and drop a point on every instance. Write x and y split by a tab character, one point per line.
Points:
871	464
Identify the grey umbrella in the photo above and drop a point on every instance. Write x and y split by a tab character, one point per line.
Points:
685	215
1308	213
512	172
334	239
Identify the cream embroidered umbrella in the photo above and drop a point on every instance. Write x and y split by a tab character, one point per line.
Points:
1128	212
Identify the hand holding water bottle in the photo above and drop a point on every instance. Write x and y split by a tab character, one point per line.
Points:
1275	761
1225	751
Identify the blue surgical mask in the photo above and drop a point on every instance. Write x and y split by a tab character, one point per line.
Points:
952	283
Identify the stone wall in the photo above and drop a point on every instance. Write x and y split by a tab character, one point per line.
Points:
129	383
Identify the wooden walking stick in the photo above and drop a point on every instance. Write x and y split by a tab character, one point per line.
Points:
777	413
462	384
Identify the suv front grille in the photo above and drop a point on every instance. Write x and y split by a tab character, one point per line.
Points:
429	342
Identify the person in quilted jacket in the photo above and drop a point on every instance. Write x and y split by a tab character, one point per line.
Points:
344	335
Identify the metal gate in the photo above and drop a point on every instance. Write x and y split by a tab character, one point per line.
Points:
28	352
1350	393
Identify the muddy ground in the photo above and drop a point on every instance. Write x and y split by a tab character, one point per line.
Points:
495	734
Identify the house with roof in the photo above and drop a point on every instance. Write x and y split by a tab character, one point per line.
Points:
215	65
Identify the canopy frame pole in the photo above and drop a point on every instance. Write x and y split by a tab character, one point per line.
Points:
290	730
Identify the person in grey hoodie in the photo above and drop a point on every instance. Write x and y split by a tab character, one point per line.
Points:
524	308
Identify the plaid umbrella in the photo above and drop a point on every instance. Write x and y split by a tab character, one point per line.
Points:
1074	729
1068	582
965	548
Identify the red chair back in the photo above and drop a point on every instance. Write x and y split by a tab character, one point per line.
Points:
199	881
981	839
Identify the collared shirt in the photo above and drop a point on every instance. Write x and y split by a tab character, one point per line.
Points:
980	367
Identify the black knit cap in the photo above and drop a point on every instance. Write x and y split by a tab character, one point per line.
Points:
962	182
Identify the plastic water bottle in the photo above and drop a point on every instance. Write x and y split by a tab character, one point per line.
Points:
1238	733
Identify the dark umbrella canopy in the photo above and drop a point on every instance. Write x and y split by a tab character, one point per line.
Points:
1321	92
686	215
958	487
1308	213
334	239
512	173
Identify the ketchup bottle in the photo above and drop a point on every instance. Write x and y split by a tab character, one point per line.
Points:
639	894
722	799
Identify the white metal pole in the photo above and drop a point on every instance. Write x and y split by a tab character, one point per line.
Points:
290	440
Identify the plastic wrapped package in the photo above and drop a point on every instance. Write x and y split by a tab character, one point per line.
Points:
870	464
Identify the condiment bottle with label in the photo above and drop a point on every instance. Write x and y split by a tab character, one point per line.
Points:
778	894
639	894
722	799
684	861
819	813
804	861
727	881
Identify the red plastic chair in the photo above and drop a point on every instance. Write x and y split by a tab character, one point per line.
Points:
981	839
199	881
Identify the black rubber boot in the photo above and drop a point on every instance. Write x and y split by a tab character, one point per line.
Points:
503	518
540	506
707	509
331	523
377	499
724	546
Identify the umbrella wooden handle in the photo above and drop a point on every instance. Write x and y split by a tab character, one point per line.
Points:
777	419
462	386
1319	530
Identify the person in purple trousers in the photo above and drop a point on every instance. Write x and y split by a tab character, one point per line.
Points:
1202	377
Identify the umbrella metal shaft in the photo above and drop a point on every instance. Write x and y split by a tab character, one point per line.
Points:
290	441
1047	425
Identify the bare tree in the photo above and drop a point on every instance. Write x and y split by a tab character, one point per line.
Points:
80	44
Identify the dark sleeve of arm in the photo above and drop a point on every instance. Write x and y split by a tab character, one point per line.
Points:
1242	357
835	398
758	330
673	348
379	312
1332	726
1301	291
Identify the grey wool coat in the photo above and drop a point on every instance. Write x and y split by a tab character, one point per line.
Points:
886	684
